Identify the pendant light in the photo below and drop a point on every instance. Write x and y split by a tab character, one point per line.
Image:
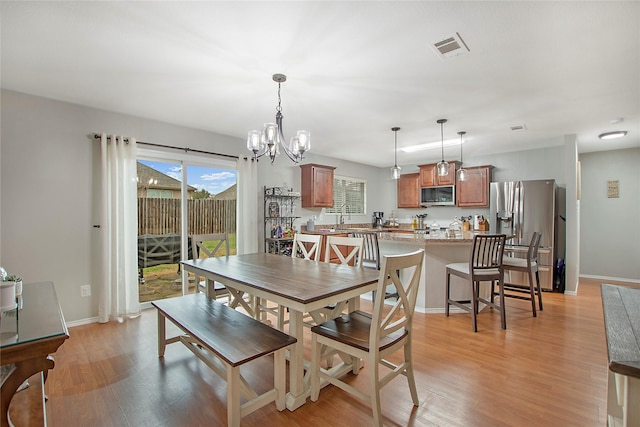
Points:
395	170
442	167
462	172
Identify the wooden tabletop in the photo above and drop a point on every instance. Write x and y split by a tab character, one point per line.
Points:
621	307
297	279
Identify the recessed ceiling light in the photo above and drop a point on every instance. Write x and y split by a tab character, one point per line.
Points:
613	135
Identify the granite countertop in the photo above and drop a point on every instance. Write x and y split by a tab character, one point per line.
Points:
402	235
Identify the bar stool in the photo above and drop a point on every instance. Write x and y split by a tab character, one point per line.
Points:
528	266
485	265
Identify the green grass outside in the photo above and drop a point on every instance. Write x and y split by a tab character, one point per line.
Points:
164	281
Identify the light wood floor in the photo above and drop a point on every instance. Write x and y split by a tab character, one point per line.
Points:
544	371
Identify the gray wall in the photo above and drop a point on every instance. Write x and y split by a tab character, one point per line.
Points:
543	163
48	168
610	227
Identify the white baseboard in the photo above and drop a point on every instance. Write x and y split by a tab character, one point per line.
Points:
609	278
81	322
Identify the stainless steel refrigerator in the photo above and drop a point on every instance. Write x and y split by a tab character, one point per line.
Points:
518	208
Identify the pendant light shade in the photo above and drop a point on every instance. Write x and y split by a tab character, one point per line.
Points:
462	172
395	170
443	166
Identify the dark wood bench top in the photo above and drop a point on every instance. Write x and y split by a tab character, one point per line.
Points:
621	306
234	337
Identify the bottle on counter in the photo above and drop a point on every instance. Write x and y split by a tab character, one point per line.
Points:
415	223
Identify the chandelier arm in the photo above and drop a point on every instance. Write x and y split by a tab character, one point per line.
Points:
293	157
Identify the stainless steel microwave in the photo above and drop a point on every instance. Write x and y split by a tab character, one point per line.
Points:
438	196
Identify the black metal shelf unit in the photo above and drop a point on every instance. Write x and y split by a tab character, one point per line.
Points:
279	216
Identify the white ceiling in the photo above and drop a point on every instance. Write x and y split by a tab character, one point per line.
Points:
355	69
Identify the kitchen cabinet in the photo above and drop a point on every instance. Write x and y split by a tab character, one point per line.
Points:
409	190
279	211
429	175
474	191
317	185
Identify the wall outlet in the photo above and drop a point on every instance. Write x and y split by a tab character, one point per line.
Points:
85	290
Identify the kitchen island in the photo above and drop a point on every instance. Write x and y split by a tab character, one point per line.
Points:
440	250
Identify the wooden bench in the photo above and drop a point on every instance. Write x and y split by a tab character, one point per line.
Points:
225	339
621	306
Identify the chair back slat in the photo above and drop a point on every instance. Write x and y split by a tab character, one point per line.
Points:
402	272
306	246
486	251
532	253
370	250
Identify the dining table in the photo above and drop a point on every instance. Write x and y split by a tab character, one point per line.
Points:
301	286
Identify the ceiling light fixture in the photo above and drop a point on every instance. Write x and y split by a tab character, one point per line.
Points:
395	170
442	167
613	135
269	140
462	172
430	145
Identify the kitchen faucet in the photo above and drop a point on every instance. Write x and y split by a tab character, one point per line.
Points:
339	217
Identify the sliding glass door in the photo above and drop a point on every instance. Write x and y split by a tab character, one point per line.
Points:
170	213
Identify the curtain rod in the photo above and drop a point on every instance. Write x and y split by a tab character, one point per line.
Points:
185	149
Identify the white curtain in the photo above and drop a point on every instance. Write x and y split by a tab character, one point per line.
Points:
119	286
246	211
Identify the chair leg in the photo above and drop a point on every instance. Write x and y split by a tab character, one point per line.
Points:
374	384
446	308
409	374
503	314
474	305
532	292
539	290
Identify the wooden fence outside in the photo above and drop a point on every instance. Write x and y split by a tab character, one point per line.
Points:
162	216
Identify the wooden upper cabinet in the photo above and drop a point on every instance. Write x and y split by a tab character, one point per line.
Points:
429	175
409	190
317	186
474	191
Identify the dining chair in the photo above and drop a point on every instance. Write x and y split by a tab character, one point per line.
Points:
485	265
528	266
344	250
339	250
371	255
305	246
370	249
373	337
216	242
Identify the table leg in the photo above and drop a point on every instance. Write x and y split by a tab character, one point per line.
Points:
21	372
297	395
162	334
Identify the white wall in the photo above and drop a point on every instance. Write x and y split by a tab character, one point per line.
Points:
610	227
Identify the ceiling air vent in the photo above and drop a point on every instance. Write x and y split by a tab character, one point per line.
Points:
519	127
451	46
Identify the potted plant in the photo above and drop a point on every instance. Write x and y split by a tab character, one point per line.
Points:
18	281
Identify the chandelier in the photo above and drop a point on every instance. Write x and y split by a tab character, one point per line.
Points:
271	138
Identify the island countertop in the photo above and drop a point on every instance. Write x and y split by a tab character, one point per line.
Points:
407	236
